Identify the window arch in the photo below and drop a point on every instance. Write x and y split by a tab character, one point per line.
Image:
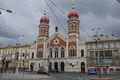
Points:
62	52
72	51
56	52
42	31
39	53
50	52
32	55
82	53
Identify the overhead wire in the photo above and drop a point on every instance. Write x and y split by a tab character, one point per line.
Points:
66	16
55	16
58	8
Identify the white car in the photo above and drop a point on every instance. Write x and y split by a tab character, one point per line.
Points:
27	70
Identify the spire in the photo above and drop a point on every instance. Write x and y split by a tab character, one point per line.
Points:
73	4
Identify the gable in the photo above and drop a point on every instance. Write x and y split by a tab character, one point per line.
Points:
57	40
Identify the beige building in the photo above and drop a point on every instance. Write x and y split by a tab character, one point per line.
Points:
8	54
109	54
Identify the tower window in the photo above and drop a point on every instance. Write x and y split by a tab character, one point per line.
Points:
82	53
72	51
62	52
32	55
39	65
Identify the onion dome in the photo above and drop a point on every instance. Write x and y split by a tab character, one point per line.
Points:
44	20
73	14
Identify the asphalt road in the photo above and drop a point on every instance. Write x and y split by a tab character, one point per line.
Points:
68	76
60	76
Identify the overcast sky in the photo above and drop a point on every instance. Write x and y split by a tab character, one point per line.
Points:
27	13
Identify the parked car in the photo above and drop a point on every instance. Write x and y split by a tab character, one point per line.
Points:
53	70
92	73
42	72
27	70
3	70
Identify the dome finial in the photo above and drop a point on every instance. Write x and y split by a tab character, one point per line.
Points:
73	4
44	12
44	19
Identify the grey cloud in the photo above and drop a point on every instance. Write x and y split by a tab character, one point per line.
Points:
27	13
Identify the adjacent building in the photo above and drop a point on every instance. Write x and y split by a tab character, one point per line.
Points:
109	54
7	55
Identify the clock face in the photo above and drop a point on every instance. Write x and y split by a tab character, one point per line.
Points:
56	41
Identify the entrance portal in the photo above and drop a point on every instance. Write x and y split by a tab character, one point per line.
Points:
31	66
82	67
50	66
56	66
62	66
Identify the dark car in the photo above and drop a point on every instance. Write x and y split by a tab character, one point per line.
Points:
42	72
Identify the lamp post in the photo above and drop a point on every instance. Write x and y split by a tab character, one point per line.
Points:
9	11
97	48
118	1
17	53
48	47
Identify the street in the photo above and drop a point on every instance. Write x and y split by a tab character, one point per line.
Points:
54	76
68	76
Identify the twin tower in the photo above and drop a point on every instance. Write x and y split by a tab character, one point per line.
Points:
71	40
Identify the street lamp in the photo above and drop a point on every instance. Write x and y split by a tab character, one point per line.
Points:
9	11
48	47
97	48
17	53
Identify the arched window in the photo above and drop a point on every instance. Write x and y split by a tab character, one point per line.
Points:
72	51
39	53
50	52
82	53
32	55
62	52
56	52
39	65
44	31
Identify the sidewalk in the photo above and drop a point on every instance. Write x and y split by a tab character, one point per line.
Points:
23	76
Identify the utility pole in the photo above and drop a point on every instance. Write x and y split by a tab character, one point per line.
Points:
97	50
48	41
17	54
